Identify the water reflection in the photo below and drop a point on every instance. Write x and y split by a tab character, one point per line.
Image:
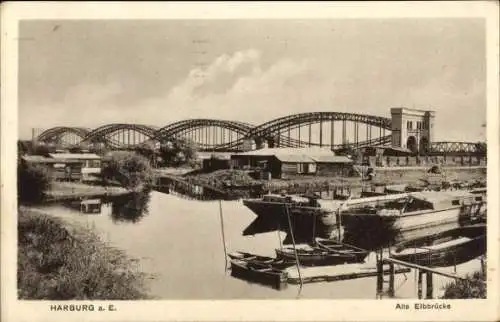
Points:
130	208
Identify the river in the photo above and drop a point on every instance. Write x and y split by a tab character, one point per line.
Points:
180	242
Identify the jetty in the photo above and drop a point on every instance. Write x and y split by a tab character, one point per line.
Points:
321	274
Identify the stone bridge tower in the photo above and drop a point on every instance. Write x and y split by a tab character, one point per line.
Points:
412	129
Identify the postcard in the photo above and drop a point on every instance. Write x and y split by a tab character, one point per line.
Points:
250	161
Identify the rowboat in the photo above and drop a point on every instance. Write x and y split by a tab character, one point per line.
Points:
315	256
448	248
258	260
262	274
342	248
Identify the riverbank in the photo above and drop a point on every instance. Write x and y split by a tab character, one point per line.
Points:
59	191
241	183
62	261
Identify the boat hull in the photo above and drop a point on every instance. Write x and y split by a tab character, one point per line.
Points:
262	275
261	261
372	231
320	259
336	247
307	222
445	256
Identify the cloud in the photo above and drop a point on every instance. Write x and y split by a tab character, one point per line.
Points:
240	86
237	87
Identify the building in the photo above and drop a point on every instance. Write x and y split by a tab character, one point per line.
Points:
91	163
58	169
216	162
412	129
294	162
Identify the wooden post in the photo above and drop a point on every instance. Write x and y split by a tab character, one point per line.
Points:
294	247
454	262
391	279
429	288
223	236
419	284
380	272
482	265
279	236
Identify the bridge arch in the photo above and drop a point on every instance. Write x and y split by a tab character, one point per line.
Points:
316	117
121	134
61	130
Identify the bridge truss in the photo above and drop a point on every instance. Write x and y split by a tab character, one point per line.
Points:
314	129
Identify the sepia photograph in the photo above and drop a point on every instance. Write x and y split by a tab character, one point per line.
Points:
252	159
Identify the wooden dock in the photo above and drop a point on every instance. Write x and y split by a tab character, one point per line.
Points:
421	271
335	273
194	189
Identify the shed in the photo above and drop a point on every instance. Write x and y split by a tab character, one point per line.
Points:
59	169
290	162
333	165
91	163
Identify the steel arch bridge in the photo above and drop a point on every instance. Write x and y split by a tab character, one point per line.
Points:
323	129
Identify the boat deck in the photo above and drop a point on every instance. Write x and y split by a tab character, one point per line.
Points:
421	249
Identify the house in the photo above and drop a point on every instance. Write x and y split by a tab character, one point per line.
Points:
58	169
293	162
91	163
333	165
216	162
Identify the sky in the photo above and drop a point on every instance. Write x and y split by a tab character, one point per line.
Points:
90	73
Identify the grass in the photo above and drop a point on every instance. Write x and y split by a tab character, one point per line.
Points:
61	262
474	286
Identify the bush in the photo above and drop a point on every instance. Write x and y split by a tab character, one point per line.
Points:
56	263
32	182
474	286
131	170
178	152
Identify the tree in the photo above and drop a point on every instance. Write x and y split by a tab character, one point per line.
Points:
32	182
178	152
147	150
481	147
130	169
75	149
43	149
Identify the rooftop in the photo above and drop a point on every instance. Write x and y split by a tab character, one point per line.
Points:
43	160
306	155
80	156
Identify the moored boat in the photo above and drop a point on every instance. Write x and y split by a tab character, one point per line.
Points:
262	261
448	248
342	248
400	219
262	274
310	215
315	256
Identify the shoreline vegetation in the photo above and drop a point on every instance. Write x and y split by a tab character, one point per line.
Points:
473	287
59	260
62	261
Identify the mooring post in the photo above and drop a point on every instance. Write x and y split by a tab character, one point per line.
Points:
391	279
419	284
294	247
454	262
482	265
223	235
380	273
279	235
429	288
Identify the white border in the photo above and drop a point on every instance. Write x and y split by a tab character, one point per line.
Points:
264	310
